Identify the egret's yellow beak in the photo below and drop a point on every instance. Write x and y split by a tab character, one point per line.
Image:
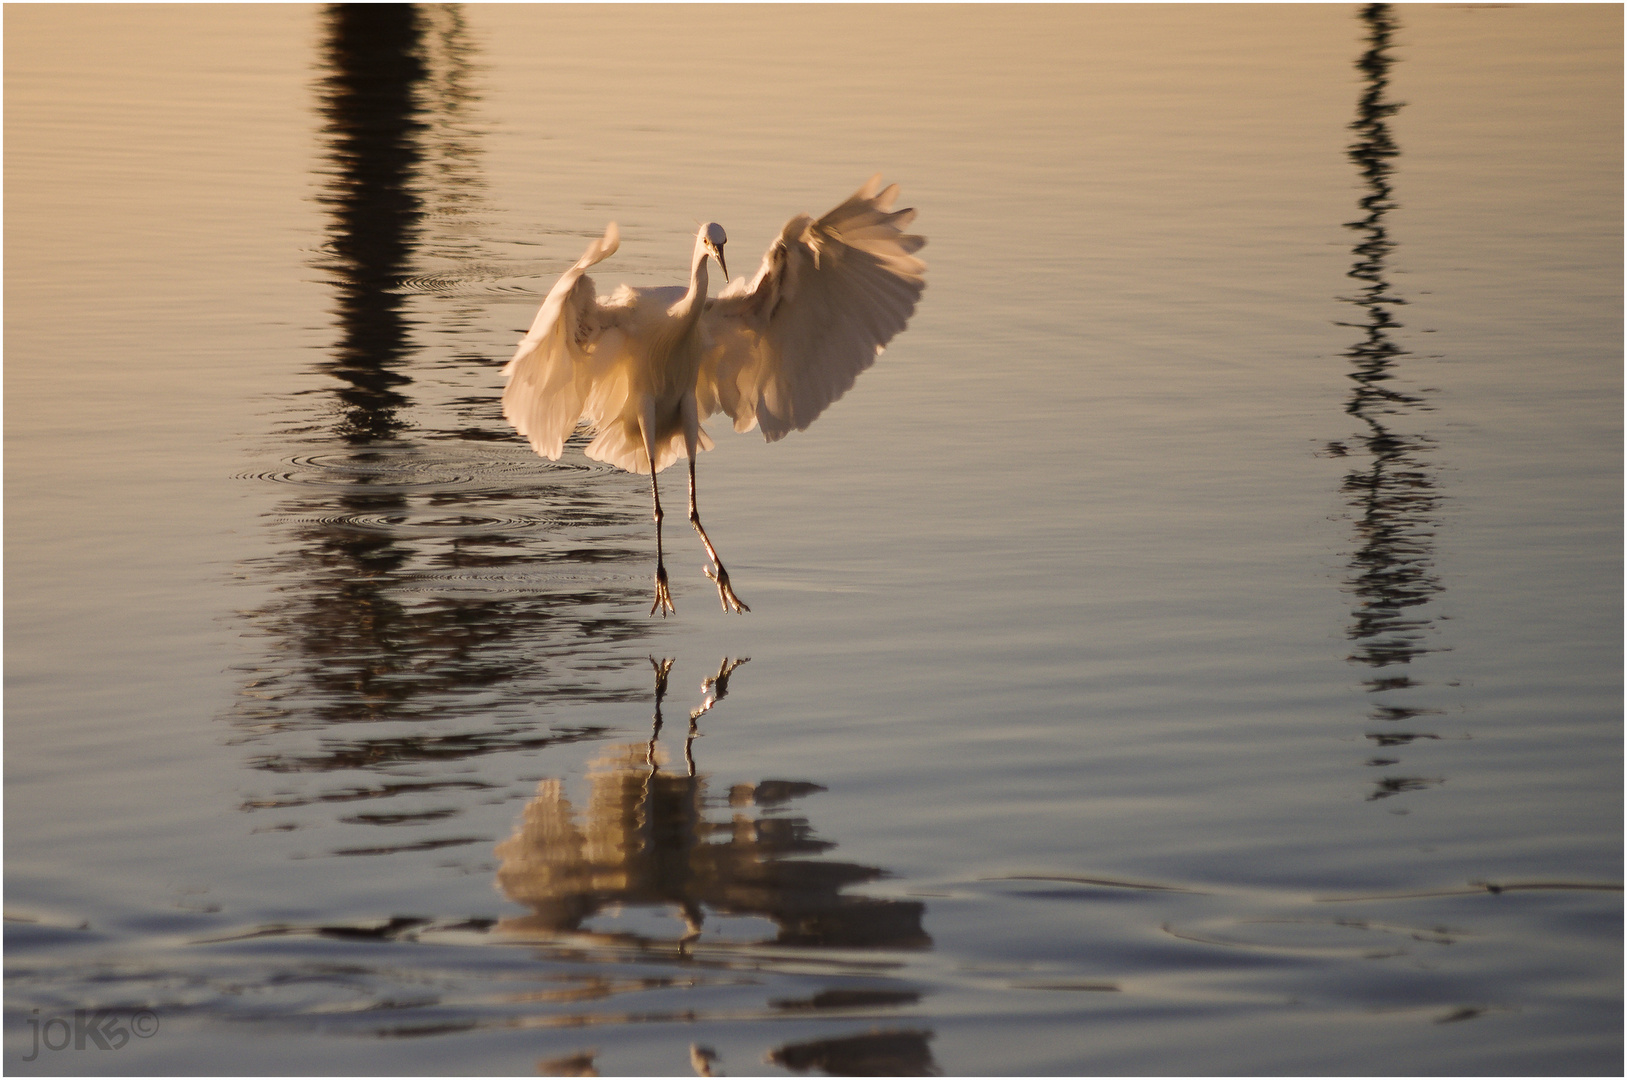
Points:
718	251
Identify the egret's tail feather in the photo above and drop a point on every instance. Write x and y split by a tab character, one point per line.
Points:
622	445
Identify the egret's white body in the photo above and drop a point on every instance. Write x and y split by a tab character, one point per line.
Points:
643	367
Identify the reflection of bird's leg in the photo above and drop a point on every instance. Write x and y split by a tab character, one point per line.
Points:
694	920
701	1058
662	668
642	809
713	690
689	744
716	687
725	592
720	681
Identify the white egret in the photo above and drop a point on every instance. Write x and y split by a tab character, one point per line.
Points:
643	367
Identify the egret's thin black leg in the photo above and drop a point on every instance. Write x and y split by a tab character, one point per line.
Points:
663	595
724	591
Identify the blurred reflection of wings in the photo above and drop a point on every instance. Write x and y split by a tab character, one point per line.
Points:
645	838
875	1053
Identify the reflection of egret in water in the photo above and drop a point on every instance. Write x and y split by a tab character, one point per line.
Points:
650	838
429	579
1393	494
874	1053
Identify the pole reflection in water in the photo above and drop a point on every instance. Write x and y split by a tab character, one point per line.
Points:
651	838
427	574
1393	496
372	123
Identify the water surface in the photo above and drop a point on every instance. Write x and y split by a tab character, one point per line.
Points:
1195	646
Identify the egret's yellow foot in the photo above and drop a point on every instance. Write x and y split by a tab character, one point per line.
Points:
725	591
663	595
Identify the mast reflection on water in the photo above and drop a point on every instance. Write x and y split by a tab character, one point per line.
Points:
1394	498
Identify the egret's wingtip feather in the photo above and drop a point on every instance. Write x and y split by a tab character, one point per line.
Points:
830	295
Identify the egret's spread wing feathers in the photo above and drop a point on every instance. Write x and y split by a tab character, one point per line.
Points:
829	296
554	374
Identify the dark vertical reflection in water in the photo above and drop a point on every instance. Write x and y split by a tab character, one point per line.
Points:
372	124
427	580
1393	495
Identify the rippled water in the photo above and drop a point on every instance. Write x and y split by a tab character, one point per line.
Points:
1194	647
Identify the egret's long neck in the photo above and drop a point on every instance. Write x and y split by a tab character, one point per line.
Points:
695	298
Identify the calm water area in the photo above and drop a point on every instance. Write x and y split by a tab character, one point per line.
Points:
1195	646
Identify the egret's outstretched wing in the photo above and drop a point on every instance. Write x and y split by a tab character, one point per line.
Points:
829	296
553	372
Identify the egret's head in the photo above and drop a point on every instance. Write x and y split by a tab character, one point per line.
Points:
715	239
